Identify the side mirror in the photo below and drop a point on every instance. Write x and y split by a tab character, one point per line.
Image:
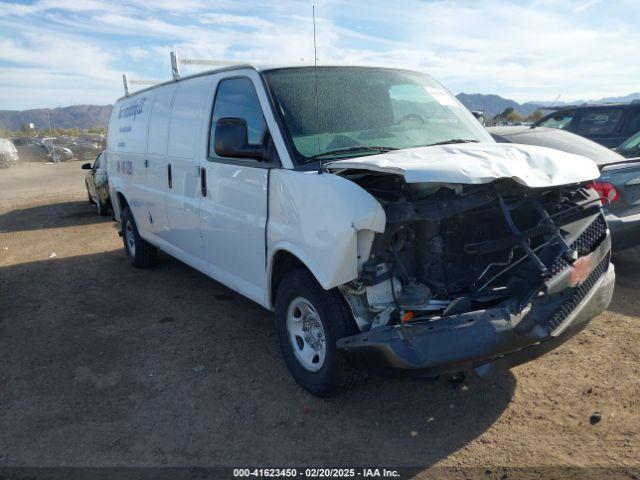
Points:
230	140
86	166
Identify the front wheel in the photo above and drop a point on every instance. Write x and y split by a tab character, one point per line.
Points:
141	253
309	322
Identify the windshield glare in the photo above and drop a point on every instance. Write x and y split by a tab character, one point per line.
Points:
367	107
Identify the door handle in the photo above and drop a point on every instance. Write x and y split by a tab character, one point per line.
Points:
169	177
203	181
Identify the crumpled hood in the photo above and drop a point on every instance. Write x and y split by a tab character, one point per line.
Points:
477	163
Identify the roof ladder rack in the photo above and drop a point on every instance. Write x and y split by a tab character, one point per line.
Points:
176	61
126	81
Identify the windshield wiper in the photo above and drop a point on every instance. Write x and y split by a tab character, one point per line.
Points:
354	149
453	140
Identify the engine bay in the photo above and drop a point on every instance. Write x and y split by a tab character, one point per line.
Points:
449	249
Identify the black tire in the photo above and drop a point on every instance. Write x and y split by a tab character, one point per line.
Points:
141	253
336	373
103	207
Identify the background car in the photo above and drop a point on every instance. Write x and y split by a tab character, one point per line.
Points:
85	149
606	124
618	185
29	149
59	154
97	184
8	153
630	148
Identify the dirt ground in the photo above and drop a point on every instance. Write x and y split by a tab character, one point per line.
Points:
103	364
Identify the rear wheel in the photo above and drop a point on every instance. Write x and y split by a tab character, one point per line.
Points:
309	322
141	253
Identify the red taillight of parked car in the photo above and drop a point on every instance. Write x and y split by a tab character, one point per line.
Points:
608	192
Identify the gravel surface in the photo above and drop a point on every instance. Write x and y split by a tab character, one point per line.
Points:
103	364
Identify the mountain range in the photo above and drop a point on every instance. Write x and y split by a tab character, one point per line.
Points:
75	116
87	116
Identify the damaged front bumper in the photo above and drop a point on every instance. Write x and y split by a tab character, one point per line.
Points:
491	340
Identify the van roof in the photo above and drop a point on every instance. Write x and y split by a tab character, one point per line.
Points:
244	66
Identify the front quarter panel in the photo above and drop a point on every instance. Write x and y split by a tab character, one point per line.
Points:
318	218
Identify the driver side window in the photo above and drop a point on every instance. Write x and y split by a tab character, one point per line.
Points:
237	98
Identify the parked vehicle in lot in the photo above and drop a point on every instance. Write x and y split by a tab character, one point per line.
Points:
630	148
97	184
29	149
378	220
85	149
618	185
59	154
8	153
606	124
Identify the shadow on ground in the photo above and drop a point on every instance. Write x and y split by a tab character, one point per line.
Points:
103	364
56	215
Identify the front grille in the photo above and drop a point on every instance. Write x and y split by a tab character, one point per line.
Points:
586	243
591	237
578	295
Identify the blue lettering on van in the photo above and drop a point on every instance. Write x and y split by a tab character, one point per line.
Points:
125	129
132	110
124	167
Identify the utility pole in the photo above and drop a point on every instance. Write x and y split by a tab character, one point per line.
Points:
53	144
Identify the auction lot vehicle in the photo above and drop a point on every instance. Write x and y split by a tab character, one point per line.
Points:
607	124
30	149
98	185
85	148
618	185
370	210
8	153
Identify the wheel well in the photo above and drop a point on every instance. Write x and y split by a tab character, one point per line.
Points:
283	263
122	202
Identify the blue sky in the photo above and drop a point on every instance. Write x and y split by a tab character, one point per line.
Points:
62	52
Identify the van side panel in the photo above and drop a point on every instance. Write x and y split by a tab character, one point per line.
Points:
185	131
157	174
126	151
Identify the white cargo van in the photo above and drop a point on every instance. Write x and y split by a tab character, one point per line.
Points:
370	210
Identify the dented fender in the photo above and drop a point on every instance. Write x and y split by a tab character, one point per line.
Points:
326	221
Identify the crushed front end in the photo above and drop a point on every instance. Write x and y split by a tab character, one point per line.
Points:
476	277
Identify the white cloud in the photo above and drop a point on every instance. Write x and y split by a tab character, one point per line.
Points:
533	50
137	53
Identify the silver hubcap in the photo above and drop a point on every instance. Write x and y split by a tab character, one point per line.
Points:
306	334
129	237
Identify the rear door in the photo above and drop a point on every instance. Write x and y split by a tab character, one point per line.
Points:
91	177
99	172
233	209
156	160
603	125
183	170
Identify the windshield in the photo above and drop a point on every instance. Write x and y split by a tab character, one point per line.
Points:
364	111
